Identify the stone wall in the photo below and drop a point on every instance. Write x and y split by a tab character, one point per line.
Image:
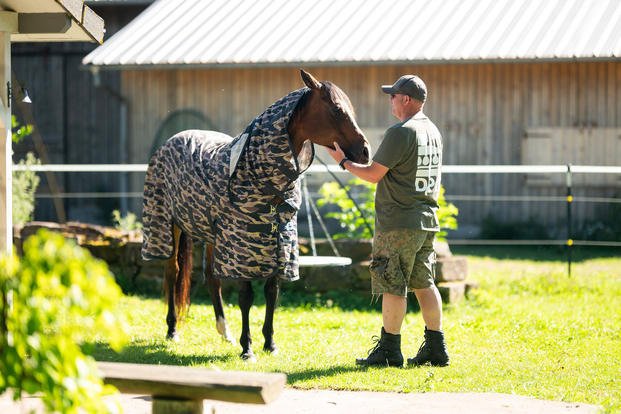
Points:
121	250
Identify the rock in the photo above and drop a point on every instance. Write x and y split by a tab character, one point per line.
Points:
442	249
451	268
452	292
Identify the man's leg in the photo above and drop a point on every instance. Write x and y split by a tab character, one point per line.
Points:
393	312
430	306
390	268
433	349
387	349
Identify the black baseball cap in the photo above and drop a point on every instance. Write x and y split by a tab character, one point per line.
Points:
410	85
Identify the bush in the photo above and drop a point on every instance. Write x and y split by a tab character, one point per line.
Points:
352	220
25	183
50	300
606	228
128	222
357	224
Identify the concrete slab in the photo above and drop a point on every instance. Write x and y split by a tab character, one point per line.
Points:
293	401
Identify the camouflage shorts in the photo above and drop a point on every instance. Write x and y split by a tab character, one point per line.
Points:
403	260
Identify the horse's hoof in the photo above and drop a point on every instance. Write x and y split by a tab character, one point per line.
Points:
223	330
271	349
173	337
248	356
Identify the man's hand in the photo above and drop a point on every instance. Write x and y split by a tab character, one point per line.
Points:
336	153
371	173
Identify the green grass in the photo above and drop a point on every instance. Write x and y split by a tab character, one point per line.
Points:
528	330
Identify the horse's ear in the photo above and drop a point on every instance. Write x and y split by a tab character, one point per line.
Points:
309	80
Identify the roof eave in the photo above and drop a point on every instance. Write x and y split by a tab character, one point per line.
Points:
83	25
309	64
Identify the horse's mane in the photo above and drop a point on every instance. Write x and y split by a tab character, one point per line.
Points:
302	102
337	95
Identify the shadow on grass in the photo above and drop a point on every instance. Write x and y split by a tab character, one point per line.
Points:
159	354
294	297
538	253
138	353
311	374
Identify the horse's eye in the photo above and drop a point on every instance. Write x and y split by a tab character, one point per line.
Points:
338	112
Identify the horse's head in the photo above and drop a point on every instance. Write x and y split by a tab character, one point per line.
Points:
327	116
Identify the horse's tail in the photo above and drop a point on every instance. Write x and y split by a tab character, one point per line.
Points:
182	284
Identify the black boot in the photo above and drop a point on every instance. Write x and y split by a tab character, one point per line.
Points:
433	350
386	352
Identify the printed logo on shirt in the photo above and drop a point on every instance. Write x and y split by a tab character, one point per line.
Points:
429	162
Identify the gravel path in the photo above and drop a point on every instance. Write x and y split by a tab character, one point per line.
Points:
293	401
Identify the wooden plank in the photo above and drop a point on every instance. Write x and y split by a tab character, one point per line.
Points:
193	383
37	23
93	24
6	220
74	7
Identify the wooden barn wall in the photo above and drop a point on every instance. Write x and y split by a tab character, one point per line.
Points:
482	110
78	124
77	121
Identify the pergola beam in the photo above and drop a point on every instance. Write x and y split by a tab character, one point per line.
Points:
6	152
43	23
33	21
8	21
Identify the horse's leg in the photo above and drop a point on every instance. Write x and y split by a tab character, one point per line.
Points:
271	289
171	272
246	297
215	291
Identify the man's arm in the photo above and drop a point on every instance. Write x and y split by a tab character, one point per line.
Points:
371	173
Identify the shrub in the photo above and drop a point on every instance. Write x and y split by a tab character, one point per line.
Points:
352	220
49	301
19	131
128	222
356	224
607	227
25	183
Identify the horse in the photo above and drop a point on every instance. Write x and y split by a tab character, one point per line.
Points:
240	197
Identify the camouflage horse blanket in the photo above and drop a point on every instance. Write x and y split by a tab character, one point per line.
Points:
241	195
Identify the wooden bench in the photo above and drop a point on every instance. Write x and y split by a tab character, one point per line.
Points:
182	390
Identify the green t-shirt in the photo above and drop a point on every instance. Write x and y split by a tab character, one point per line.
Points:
407	196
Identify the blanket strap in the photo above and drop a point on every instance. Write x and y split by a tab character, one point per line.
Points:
269	228
277	207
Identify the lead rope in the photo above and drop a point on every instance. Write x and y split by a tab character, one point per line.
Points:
325	230
309	202
364	218
309	216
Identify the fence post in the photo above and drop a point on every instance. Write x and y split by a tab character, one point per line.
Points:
570	198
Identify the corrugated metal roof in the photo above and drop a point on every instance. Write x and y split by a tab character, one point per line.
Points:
118	2
287	32
84	24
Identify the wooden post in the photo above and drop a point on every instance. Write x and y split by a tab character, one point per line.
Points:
186	386
181	406
570	199
6	210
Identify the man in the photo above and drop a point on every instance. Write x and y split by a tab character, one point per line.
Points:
406	169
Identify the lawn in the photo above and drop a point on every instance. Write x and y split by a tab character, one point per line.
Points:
529	329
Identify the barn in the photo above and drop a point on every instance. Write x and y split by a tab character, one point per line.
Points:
510	82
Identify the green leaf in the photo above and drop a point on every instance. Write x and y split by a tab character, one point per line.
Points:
352	221
53	298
